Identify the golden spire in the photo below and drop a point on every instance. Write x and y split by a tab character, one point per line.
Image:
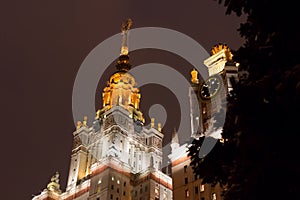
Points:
123	62
194	78
121	89
125	33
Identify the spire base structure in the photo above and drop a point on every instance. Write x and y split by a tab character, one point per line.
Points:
123	64
121	88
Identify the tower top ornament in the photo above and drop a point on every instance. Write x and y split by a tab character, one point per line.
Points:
126	25
124	58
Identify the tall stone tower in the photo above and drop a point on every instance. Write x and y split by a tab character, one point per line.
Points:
212	92
211	97
116	157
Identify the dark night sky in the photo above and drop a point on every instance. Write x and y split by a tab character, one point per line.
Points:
43	44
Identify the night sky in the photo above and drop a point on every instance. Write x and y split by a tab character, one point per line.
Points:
43	44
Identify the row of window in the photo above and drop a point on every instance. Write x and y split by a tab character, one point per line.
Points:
112	196
113	178
141	190
186	179
118	190
187	194
165	196
141	198
134	154
140	167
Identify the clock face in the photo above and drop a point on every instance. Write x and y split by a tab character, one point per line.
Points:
210	88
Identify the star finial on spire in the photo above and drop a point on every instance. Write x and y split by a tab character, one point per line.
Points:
125	32
126	25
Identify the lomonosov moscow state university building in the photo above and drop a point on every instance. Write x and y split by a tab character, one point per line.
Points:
118	158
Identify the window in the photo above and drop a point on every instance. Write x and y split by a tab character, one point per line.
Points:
111	196
214	196
195	177
140	157
99	182
202	188
118	190
196	190
204	110
118	181
165	196
112	178
112	187
117	198
185	169
98	198
124	184
141	190
186	180
124	193
187	193
156	192
146	188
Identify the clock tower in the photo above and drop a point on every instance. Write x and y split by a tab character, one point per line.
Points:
211	99
212	92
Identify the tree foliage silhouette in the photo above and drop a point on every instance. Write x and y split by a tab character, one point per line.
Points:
260	158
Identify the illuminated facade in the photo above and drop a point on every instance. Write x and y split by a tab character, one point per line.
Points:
117	157
210	99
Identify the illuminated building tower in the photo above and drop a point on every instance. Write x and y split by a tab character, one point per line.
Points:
211	93
211	97
117	157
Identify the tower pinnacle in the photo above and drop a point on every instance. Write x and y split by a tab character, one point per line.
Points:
123	62
54	186
175	140
125	33
175	137
121	88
